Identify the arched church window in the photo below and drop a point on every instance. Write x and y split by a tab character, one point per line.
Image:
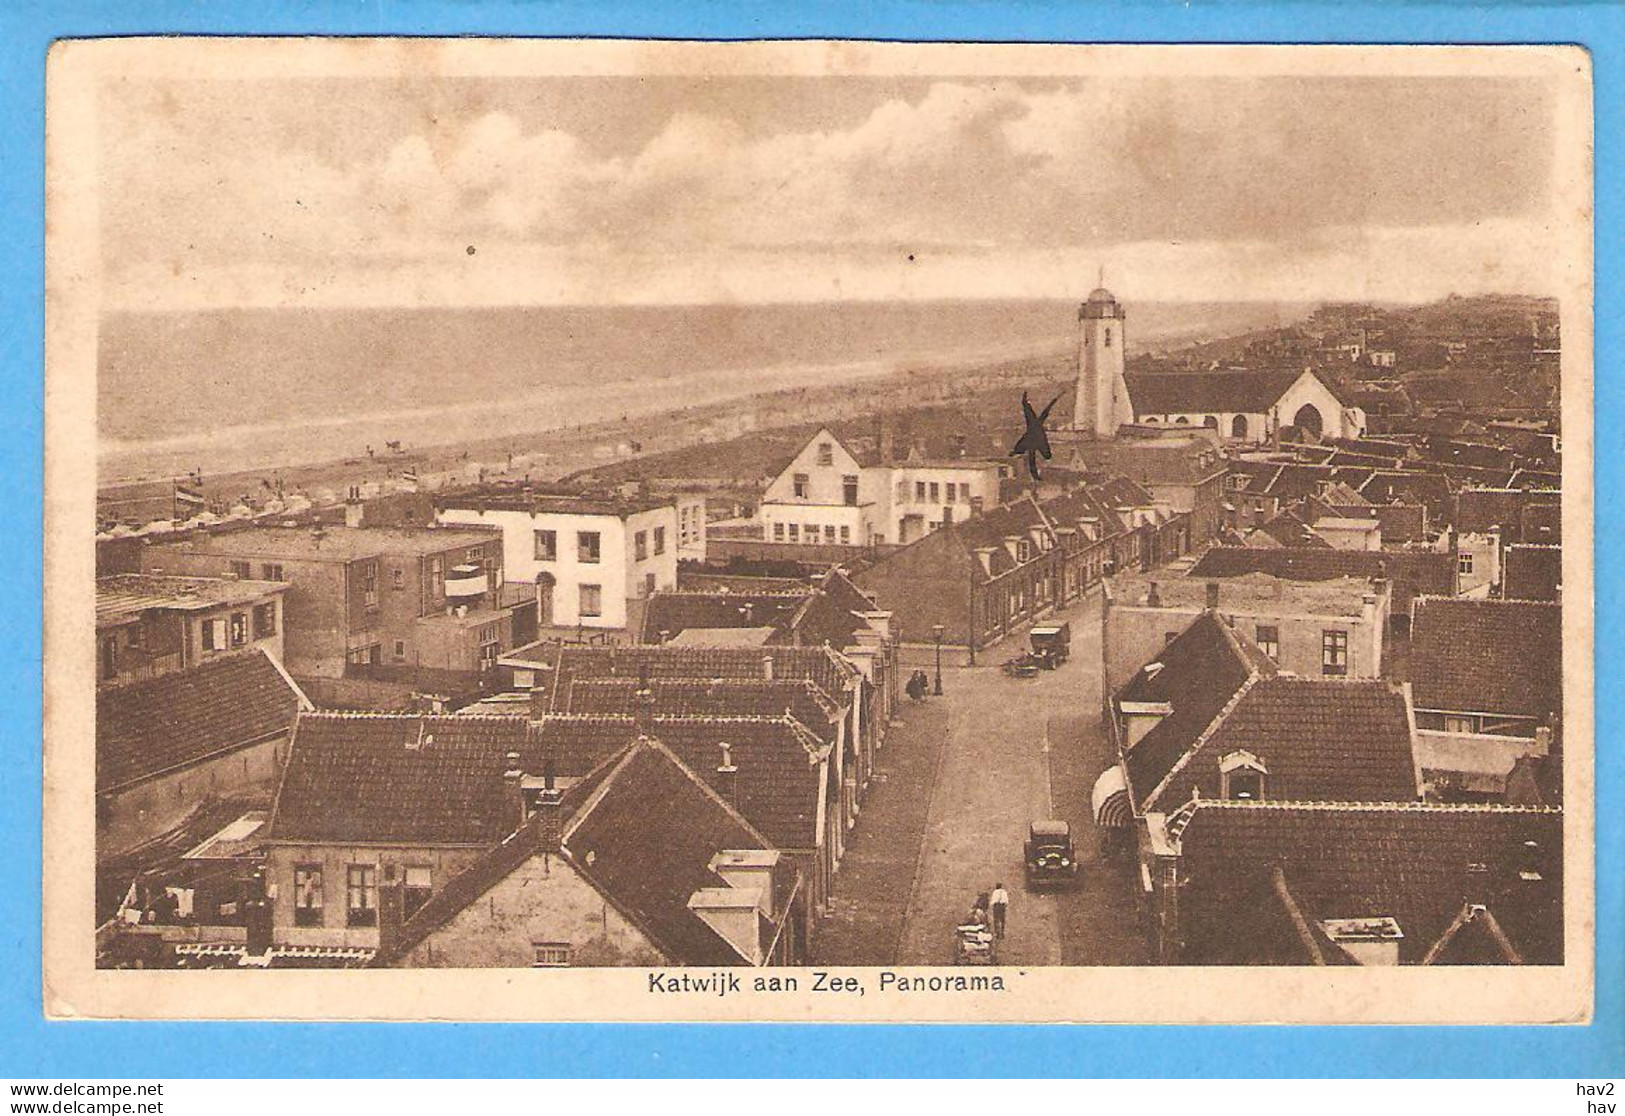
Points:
1108	337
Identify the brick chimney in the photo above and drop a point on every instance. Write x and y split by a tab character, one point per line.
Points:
513	779
1153	599
549	812
643	706
728	777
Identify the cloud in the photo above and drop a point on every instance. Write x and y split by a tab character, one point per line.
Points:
979	177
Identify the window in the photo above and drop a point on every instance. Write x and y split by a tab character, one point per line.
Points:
264	620
307	894
397	578
799	485
415	889
400	650
778	532
949	492
964	492
1108	337
547	546
551	955
829	532
936	492
648	585
1268	638
846	535
919	491
1242	776
239	629
214	635
1464	562
1334	652
271	571
475	554
587	546
242	571
660	540
1244	784
795	532
1460	724
592	600
902	492
826	453
640	546
369	582
849	491
361	894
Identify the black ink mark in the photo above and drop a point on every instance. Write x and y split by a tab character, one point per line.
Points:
470	249
1034	440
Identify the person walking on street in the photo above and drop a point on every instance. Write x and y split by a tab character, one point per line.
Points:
999	906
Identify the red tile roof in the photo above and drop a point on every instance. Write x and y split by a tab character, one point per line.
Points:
1487	656
160	724
1414	863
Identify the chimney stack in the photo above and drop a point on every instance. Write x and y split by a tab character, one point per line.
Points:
728	777
1213	596
549	815
767	667
1153	599
354	512
643	705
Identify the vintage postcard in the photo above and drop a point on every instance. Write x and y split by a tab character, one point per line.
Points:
587	530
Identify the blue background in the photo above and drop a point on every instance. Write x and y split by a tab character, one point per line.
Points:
30	1047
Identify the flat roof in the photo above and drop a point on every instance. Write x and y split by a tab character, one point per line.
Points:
124	597
339	544
1255	592
557	503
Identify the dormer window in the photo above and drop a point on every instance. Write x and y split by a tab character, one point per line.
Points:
1242	776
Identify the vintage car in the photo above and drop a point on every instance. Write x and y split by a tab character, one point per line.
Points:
1050	858
1024	665
1051	643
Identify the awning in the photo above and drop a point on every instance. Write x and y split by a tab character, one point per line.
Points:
1109	799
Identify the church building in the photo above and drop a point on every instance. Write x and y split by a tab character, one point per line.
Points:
1242	405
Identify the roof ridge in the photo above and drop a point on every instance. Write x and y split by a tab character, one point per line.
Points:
1408	807
1202	738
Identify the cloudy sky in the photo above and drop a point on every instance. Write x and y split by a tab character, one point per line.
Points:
496	191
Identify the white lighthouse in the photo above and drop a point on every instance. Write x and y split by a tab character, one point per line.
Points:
1103	403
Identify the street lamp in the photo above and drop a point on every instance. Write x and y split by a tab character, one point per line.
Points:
936	634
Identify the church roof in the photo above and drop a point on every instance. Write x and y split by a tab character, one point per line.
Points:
1246	392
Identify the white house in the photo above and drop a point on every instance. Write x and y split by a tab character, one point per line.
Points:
587	556
829	495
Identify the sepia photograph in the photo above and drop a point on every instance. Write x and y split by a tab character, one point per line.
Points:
821	530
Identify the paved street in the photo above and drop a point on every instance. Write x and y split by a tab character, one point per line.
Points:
963	778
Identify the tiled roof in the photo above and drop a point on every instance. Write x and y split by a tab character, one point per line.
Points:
672	612
1412	571
1410	862
647	843
1252	392
1201	672
706	697
1532	572
825	668
159	724
1521	515
777	760
1289	530
1320	740
641	828
1487	656
400	778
